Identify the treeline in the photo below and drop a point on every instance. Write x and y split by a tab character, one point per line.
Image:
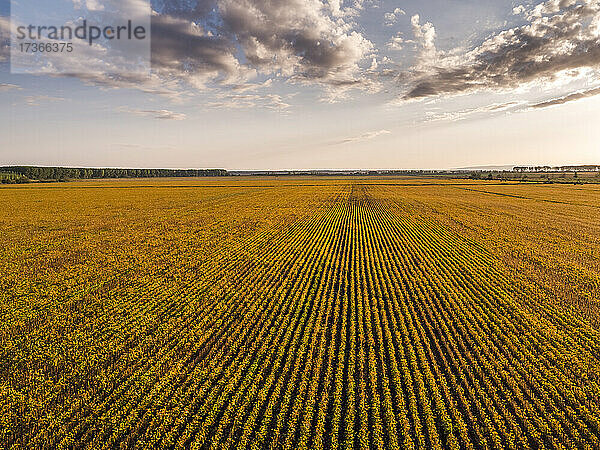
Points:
68	173
12	178
579	168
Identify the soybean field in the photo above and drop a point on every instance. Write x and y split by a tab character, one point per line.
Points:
299	313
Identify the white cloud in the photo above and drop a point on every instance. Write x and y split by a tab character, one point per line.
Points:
392	17
363	137
9	87
518	10
549	49
225	46
91	5
219	43
249	101
425	38
163	114
396	42
296	39
36	100
454	116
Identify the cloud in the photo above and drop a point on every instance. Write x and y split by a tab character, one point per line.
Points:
4	38
163	114
214	44
36	100
9	87
341	89
184	50
91	5
363	137
297	39
552	7
225	46
153	84
518	10
567	98
396	42
138	147
425	38
560	39
243	101
455	116
128	145
392	17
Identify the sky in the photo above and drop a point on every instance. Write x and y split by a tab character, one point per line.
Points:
314	84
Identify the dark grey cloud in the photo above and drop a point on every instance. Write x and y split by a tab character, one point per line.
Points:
232	41
229	42
560	36
294	37
4	38
199	8
206	43
210	43
152	84
182	48
567	98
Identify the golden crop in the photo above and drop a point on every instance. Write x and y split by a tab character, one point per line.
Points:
299	313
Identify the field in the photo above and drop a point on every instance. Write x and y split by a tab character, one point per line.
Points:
304	313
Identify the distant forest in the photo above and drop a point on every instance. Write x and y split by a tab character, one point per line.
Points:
68	173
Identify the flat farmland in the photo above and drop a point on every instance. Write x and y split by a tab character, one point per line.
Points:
299	313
